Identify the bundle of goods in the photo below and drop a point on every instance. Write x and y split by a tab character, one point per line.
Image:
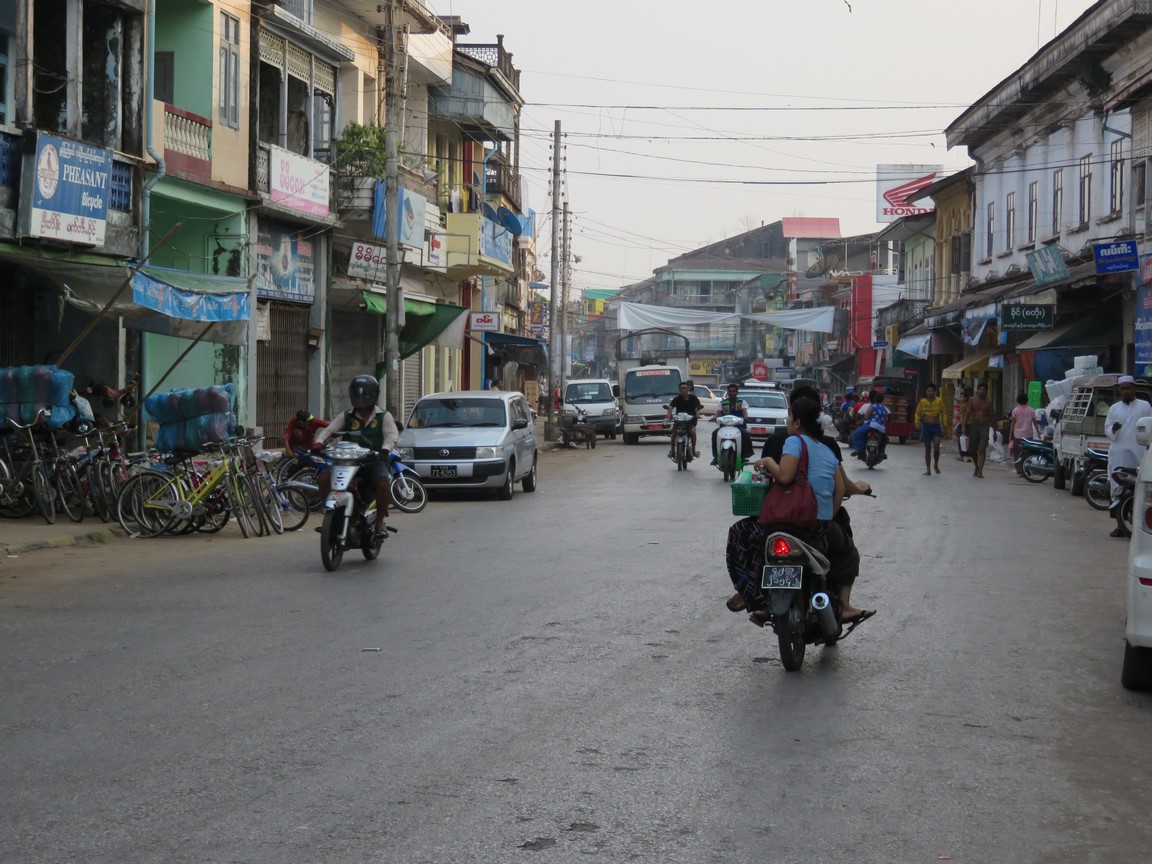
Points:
192	418
1087	364
25	390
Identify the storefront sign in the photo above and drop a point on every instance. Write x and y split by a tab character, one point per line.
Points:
297	182
434	254
1119	257
1047	265
704	367
1027	316
64	191
368	262
495	242
538	309
190	305
284	268
412	207
894	185
1144	313
484	321
760	371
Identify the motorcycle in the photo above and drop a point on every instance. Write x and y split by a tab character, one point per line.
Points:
729	446
1126	477
1037	459
1097	488
872	454
681	440
577	429
349	519
803	611
408	493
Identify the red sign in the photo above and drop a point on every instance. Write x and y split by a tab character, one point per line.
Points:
760	371
909	373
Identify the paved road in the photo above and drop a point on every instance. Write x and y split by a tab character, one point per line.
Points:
558	680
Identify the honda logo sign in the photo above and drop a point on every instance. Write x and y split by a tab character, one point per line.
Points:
895	184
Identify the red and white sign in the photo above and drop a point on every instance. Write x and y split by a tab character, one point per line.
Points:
895	183
368	262
760	371
485	321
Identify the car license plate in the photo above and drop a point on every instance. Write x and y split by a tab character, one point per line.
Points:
781	577
656	426
443	471
757	430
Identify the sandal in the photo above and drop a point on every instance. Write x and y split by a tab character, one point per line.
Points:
736	603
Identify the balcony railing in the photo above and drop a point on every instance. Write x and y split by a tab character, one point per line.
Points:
187	144
496	57
695	300
502	180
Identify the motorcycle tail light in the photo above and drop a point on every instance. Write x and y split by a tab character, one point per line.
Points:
781	548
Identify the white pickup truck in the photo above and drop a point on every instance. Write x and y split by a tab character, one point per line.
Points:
1081	426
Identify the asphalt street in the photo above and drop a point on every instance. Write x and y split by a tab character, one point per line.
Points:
556	679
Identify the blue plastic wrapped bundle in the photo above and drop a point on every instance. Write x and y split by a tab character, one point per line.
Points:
176	405
25	390
193	434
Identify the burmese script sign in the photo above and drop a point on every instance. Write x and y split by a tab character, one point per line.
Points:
64	191
1027	316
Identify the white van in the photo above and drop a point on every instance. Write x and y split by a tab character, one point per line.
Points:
594	396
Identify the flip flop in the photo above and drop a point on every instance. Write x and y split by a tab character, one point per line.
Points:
858	617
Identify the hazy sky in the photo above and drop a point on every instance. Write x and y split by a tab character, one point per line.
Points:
652	174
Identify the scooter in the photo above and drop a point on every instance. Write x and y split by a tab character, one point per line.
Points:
1097	488
681	440
1037	459
349	520
803	611
577	428
872	455
729	446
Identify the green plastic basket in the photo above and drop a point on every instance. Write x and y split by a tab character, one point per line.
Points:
748	497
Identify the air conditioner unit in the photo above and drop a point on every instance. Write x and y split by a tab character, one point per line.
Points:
524	241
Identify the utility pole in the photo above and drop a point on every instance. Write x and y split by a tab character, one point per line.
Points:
566	274
550	431
390	37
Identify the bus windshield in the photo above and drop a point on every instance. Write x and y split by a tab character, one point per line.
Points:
652	383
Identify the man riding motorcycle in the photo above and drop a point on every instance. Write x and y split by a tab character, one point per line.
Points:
368	425
733	405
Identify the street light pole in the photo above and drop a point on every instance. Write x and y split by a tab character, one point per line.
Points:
392	211
554	283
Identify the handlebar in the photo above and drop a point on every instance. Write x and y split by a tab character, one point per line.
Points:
35	420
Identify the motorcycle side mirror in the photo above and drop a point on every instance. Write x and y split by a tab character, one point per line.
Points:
1144	431
399	426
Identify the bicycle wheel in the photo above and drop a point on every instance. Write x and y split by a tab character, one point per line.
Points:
241	499
216	512
294	508
100	504
70	492
146	504
44	493
270	505
307	477
16	499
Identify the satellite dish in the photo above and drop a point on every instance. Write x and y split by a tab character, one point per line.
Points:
823	265
510	221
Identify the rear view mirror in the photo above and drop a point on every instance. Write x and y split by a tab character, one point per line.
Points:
1144	431
519	423
616	390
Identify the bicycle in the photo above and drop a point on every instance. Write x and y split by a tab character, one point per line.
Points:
42	489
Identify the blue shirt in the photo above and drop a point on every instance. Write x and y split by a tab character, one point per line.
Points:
822	466
878	419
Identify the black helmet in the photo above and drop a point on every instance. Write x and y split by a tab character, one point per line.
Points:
364	392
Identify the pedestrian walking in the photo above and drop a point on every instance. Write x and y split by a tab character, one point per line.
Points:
1120	427
958	422
1023	426
977	421
931	422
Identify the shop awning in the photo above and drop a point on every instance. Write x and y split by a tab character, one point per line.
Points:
916	345
425	323
977	362
523	349
1095	330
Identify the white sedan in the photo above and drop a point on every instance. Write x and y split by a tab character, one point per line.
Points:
707	398
767	411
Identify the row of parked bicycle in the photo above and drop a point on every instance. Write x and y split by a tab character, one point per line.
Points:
86	471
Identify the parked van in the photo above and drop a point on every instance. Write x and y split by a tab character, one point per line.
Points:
594	396
1081	425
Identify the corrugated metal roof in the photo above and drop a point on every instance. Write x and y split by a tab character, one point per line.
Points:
818	228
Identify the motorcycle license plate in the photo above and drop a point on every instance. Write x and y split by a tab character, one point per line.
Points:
781	577
757	430
443	471
655	426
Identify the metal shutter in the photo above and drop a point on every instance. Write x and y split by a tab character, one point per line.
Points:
412	378
282	369
355	349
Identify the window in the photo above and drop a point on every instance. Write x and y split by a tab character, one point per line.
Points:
1085	204
1139	181
990	247
164	86
1116	177
229	70
1033	209
322	104
1009	220
1057	199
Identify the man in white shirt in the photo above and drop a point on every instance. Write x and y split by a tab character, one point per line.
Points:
1120	427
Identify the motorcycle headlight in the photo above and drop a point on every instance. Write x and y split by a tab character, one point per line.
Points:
496	452
406	454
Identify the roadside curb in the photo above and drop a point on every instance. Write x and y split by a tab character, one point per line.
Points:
100	536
